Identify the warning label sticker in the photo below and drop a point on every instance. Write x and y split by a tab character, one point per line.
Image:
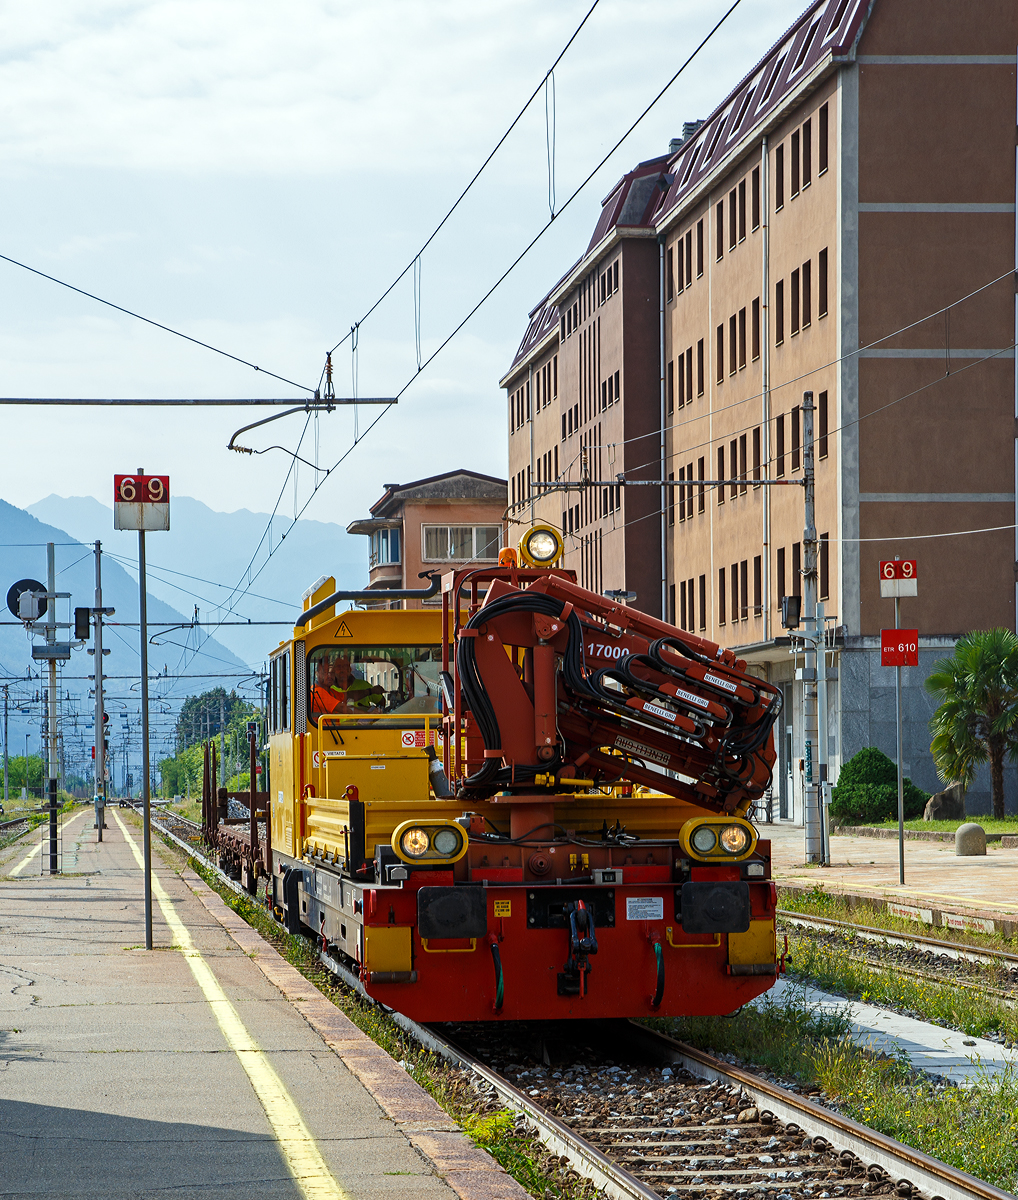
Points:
645	908
343	630
503	908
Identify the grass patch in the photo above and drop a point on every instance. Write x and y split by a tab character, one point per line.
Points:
829	965
990	824
817	902
974	1128
519	1152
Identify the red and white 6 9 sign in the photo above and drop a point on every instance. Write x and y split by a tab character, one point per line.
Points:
141	502
898	578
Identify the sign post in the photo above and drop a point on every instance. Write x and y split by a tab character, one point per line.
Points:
142	502
899	648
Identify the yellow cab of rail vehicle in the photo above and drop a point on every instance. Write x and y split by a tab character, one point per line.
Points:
530	803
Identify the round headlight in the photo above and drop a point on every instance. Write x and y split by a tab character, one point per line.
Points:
542	546
734	839
446	842
415	842
704	840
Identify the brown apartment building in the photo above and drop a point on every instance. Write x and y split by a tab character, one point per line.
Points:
441	523
844	222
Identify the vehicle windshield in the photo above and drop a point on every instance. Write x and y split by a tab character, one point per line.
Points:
366	680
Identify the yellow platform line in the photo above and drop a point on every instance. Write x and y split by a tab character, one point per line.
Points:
295	1141
37	848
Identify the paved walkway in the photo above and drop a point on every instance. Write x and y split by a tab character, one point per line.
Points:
205	1067
935	877
956	1056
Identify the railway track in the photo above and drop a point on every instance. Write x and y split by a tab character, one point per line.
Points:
643	1116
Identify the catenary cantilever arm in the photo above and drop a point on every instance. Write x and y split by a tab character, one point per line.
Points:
373	594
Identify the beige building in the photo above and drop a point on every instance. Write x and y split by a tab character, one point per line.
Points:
843	223
438	524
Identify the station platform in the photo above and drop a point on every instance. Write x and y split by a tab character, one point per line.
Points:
206	1066
979	893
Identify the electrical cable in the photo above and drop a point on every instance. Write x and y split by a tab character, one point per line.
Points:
148	321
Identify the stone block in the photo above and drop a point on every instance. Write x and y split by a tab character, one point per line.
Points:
948	805
970	839
882	704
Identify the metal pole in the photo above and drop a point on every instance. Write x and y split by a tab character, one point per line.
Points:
825	832
99	741
51	724
146	799
7	694
901	785
811	807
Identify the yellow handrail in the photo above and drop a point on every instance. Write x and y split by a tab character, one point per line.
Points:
692	945
449	950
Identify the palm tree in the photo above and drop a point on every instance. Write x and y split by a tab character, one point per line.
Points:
977	720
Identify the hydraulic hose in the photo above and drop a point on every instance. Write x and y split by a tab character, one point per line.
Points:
659	991
499	978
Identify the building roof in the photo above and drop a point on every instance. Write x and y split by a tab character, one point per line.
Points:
825	33
460	484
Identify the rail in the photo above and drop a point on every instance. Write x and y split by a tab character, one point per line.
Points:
909	1169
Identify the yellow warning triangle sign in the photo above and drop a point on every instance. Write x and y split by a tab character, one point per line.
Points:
343	630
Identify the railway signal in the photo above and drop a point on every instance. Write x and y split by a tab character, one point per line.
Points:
142	502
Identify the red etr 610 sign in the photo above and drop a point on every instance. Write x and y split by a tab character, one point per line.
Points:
899	647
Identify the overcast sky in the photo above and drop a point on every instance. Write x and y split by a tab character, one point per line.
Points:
255	174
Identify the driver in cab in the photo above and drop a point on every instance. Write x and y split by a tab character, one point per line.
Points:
338	689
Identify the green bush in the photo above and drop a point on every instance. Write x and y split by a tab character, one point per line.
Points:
867	791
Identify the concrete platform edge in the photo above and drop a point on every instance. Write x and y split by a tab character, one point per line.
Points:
918	908
1008	841
469	1171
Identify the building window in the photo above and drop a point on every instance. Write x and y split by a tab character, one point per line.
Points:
671	603
692	607
742	464
721	475
779	312
807	153
779	444
744	590
742	337
384	547
459	543
781	574
721	595
756	456
563	426
618	394
755	202
779	177
689	258
757	586
735	592
733	220
797	569
825	566
689	491
822	283
733	345
556	462
682	493
721	354
682	605
822	425
699	367
670	293
794	303
671	502
756	329
700	502
794	181
669	387
733	469
795	438
699	248
720	230
807	296
680	272
703	601
822	140
682	381
742	210
689	373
